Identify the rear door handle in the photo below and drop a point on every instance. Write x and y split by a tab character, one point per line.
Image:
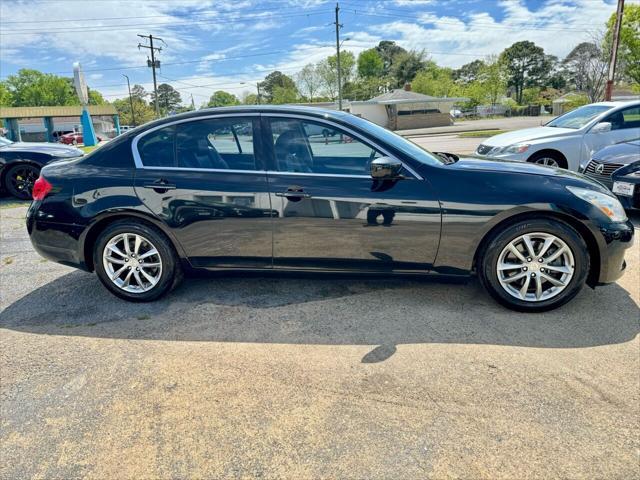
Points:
160	185
289	194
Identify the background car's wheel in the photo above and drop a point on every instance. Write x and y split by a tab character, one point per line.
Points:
135	261
534	265
19	180
550	159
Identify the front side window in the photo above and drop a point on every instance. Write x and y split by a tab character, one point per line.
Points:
216	143
622	119
302	146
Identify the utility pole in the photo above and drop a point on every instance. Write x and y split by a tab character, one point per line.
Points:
338	26
153	64
133	115
193	104
614	50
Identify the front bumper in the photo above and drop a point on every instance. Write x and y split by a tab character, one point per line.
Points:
614	240
515	157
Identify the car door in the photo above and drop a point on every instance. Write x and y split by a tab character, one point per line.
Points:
625	126
331	214
205	178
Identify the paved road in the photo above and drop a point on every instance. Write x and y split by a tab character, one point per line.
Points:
448	143
310	377
503	123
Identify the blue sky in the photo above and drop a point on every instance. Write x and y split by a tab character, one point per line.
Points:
229	45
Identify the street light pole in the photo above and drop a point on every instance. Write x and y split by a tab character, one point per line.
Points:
133	115
337	23
257	85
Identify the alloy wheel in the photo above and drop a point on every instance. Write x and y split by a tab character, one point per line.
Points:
535	267
21	181
132	262
548	161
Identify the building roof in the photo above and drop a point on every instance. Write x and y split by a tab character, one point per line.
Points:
66	111
400	95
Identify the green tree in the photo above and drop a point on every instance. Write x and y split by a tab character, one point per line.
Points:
282	95
328	72
168	98
388	51
95	97
586	69
273	80
309	81
143	112
6	100
527	66
31	88
435	81
406	65
629	47
221	98
370	64
250	99
468	72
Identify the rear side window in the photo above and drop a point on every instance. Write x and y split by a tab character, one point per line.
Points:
216	143
156	149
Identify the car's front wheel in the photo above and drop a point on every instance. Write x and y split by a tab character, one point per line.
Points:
534	265
19	180
136	262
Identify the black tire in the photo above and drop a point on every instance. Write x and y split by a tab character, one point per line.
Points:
555	156
170	276
19	180
487	266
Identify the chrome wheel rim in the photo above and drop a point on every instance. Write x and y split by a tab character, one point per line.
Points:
132	263
548	161
535	267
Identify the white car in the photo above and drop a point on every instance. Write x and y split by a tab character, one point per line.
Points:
569	140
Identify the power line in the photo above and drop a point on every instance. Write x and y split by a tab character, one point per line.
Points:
134	26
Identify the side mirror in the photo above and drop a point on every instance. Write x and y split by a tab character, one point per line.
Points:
386	168
602	127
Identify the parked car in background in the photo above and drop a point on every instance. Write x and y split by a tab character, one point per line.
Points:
20	164
569	140
74	138
618	167
187	193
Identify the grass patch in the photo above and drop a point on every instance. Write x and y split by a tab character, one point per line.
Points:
8	260
14	203
88	149
143	317
481	133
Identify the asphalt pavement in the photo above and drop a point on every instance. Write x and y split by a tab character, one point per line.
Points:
310	377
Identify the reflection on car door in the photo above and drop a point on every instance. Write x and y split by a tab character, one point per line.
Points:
206	179
331	214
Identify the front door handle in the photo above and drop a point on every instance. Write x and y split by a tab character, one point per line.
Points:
160	185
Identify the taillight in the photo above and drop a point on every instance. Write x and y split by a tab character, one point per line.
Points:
41	188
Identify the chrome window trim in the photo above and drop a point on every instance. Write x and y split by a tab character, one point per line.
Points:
136	155
353	133
139	165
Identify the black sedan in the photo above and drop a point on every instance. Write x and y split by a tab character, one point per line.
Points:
249	188
618	167
20	164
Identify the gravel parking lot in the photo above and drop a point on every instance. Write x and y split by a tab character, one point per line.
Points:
310	377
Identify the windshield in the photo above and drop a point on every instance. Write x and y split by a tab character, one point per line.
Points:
5	141
579	117
396	141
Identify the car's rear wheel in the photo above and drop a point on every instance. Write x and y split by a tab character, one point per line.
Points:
19	180
135	261
534	265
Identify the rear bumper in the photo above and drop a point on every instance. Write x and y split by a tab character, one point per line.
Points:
54	241
616	239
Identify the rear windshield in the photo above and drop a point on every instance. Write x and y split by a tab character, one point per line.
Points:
579	117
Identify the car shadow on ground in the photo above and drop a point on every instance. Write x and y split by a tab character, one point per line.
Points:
323	310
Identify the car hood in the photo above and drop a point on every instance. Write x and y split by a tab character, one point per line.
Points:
53	149
621	153
506	166
527	135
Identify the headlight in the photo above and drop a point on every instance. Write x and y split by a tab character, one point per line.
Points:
607	204
635	174
517	148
